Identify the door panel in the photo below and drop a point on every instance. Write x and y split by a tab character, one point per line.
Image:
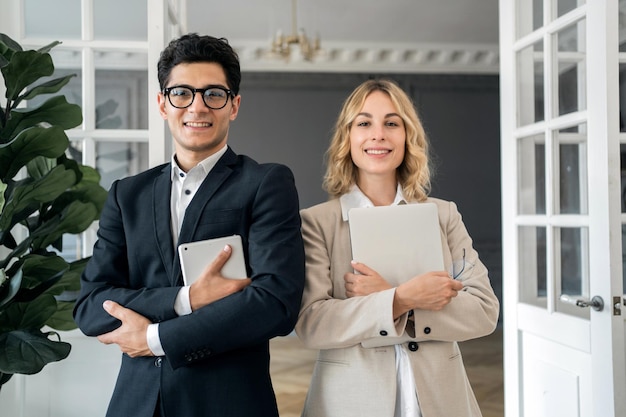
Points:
564	349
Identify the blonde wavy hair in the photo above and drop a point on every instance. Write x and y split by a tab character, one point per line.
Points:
414	171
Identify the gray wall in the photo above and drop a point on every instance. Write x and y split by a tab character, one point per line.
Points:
288	118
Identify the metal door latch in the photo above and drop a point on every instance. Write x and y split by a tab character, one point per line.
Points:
597	303
617	306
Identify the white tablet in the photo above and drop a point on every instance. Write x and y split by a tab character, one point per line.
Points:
196	256
399	241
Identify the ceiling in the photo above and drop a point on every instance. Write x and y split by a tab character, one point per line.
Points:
358	35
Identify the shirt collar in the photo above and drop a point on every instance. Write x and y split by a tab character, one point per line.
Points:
355	198
205	166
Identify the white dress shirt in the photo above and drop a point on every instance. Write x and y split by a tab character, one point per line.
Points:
407	404
184	188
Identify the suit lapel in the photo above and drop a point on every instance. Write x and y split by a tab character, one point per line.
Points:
220	172
162	188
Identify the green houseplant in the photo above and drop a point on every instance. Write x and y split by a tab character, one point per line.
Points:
43	195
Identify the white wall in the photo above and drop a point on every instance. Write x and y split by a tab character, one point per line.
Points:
79	386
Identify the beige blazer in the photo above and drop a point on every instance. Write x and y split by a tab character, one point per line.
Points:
349	380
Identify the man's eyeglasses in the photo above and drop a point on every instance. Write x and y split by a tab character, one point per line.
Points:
214	97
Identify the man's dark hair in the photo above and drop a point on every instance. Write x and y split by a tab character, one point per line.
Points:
192	48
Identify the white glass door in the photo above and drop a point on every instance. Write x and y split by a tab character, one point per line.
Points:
562	255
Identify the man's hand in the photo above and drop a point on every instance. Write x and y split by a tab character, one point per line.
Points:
212	286
366	282
131	335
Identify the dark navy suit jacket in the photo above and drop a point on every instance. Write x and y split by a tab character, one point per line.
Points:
217	358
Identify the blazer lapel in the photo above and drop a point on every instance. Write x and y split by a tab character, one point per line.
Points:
220	172
162	188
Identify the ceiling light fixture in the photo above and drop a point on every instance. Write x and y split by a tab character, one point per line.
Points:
281	44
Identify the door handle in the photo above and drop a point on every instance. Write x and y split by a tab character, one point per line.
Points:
597	303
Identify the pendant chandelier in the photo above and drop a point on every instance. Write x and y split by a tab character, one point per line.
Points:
282	44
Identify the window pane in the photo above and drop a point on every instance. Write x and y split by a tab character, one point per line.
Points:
566	6
532	264
622	25
624	257
623	170
574	268
43	19
530	87
571	68
116	159
121	93
120	20
572	175
622	96
529	15
531	176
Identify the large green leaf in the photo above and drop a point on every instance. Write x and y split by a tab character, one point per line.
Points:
48	47
24	68
75	218
71	278
49	87
55	111
90	175
85	192
39	166
10	287
36	141
43	190
40	269
4	378
8	43
7	48
28	315
27	352
63	319
3	187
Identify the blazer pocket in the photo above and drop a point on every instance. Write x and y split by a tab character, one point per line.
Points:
332	357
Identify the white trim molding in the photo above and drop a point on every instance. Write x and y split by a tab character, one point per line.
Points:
374	57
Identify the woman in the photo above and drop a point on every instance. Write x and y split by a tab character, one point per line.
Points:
379	156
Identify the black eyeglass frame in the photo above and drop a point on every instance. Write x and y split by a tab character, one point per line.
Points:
229	93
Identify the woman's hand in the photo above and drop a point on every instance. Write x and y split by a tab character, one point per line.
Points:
366	282
430	291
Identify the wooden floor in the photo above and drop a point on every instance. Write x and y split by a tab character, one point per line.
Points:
292	364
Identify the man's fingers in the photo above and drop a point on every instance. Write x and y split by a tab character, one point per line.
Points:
220	260
113	308
106	338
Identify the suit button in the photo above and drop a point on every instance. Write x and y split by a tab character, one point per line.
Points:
157	362
427	330
413	346
383	333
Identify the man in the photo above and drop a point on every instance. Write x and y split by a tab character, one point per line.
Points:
199	350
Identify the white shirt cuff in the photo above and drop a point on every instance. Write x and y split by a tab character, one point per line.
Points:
182	305
154	342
